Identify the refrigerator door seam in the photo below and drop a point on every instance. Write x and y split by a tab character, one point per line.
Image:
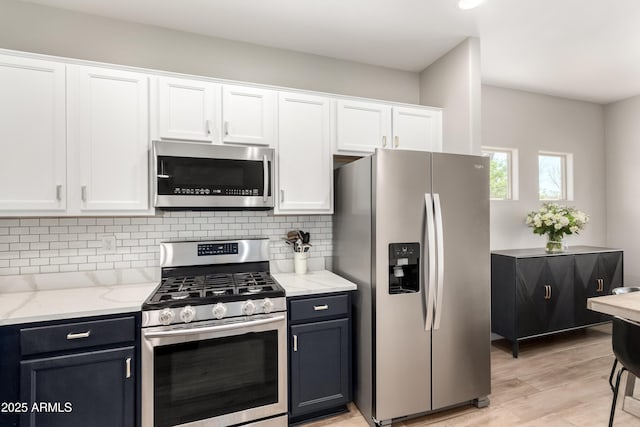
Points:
440	255
430	264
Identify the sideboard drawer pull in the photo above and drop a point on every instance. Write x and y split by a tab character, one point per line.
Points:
72	336
321	307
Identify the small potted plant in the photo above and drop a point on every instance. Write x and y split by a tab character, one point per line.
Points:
555	221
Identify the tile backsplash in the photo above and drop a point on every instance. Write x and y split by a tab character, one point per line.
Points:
50	245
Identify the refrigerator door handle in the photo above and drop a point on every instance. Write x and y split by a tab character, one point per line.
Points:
440	254
429	260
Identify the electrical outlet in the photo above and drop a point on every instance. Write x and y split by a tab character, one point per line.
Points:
107	243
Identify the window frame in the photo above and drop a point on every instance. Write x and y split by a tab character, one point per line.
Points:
566	175
512	170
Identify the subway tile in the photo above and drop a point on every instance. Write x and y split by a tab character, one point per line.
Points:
29	222
9	222
38	230
87	267
39	261
69	267
30	270
48	222
9	271
68	221
49	269
29	238
87	221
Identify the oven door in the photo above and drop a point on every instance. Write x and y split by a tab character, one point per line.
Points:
215	373
193	175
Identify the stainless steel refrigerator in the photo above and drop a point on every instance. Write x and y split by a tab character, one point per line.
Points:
411	229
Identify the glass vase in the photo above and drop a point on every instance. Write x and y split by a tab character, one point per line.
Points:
554	244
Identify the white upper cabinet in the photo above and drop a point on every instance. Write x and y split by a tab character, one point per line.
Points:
362	127
32	136
304	167
108	140
417	129
249	115
187	109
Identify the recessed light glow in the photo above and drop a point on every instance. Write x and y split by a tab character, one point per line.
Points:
469	4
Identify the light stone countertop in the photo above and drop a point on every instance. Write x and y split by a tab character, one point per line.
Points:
42	297
313	283
55	304
625	305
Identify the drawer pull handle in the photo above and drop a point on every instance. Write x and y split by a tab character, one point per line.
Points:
295	343
128	363
321	307
72	336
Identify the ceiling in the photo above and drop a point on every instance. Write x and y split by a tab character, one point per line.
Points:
581	49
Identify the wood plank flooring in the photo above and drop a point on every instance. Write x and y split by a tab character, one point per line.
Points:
557	381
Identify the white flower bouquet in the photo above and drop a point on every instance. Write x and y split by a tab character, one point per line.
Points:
555	221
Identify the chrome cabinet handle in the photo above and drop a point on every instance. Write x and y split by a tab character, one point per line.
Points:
83	193
226	127
320	307
75	336
547	292
396	141
207	124
265	178
384	141
295	343
600	283
281	196
128	367
58	192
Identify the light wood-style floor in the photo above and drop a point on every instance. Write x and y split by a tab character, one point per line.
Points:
556	382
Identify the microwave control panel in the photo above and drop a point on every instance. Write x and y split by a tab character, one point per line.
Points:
215	191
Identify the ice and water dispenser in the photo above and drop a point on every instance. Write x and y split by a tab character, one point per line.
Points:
404	268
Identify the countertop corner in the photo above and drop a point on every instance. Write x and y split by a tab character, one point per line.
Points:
313	283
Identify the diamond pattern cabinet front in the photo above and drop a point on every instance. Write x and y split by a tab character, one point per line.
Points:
596	275
544	295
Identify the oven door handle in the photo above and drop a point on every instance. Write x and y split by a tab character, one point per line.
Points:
218	328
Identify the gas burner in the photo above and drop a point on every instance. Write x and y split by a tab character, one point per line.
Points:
198	285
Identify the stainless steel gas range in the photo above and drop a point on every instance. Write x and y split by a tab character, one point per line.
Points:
214	338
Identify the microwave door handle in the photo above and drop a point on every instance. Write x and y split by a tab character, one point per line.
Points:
265	178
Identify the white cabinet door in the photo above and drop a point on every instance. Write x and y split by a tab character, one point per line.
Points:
187	109
362	126
249	115
305	172
417	129
32	136
109	140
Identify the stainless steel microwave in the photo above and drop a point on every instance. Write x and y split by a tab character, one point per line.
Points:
189	175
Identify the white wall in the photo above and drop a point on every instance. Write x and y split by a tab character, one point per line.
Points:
35	28
453	83
532	122
622	135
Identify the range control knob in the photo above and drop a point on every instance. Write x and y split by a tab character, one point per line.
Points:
267	305
166	316
219	310
248	308
187	314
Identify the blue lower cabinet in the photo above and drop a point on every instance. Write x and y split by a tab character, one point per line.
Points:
95	389
73	372
319	362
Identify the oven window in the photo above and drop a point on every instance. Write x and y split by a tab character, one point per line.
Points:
218	177
204	379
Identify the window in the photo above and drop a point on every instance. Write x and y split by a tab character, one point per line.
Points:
502	172
555	176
